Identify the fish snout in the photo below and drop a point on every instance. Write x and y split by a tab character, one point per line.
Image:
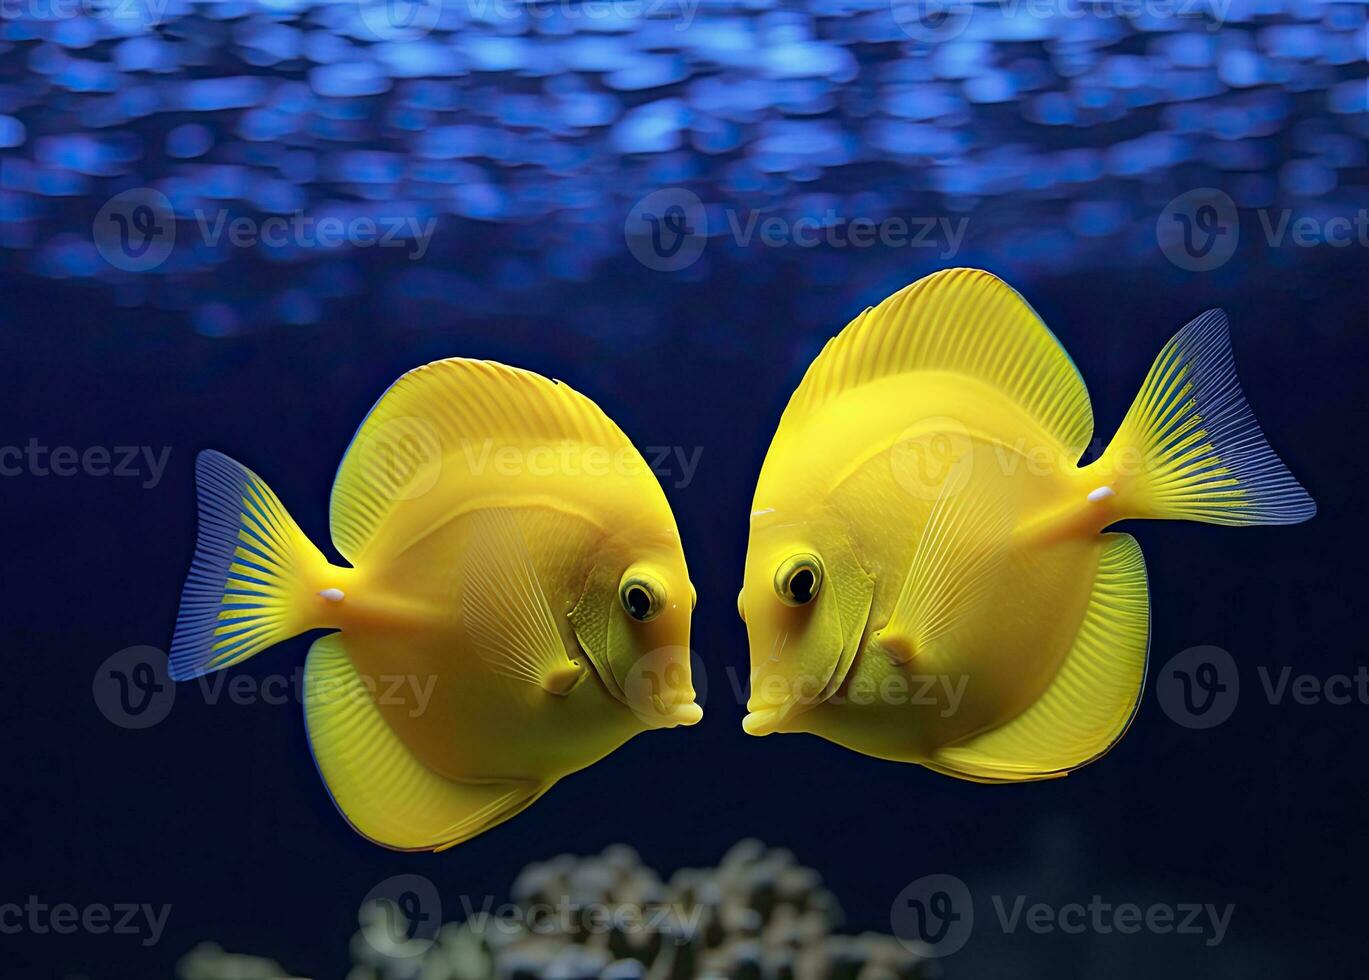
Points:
660	689
684	713
763	721
777	698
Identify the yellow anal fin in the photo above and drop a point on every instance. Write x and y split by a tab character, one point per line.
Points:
1093	697
507	617
384	792
962	545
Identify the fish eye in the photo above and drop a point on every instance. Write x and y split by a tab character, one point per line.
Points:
642	596
798	580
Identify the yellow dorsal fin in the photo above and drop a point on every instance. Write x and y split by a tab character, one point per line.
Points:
450	415
963	321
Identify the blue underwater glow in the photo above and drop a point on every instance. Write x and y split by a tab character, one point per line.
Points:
551	121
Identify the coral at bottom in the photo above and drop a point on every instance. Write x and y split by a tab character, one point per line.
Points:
758	915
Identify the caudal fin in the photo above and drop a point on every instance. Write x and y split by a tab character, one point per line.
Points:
255	579
1190	447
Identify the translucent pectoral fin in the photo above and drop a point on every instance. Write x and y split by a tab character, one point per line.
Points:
508	620
385	793
1093	697
962	546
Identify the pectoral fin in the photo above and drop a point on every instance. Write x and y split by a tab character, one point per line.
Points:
508	620
385	793
962	545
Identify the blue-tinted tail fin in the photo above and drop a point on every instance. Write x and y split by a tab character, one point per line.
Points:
255	578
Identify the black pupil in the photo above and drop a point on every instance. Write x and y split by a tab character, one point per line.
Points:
801	585
638	602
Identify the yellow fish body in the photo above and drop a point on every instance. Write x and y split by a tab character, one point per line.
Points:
927	577
517	603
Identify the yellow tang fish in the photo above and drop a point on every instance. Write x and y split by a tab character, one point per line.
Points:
515	607
927	579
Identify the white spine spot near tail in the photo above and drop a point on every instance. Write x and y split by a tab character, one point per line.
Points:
1102	493
333	595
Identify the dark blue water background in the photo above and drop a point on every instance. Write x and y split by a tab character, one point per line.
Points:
218	809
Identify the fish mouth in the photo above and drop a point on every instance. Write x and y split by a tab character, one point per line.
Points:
776	718
658	714
764	721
